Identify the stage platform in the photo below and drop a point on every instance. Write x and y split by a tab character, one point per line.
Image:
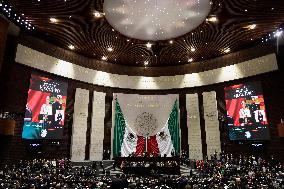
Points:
106	163
102	167
149	165
108	168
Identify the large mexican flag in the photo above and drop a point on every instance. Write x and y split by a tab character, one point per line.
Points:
127	142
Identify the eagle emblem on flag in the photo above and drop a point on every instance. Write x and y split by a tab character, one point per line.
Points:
163	135
130	137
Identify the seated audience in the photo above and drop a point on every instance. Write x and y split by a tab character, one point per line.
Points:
228	172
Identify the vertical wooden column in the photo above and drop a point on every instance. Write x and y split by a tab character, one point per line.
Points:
4	24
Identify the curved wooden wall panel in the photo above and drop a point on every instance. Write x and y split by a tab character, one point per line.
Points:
37	60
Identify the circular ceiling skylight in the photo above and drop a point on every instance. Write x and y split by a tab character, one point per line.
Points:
155	19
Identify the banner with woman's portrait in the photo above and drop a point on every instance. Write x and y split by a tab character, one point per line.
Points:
246	113
45	109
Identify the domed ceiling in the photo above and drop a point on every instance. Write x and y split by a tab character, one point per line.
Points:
149	32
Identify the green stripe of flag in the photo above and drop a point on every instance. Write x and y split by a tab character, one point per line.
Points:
119	130
173	126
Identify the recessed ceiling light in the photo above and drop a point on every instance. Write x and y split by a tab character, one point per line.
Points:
227	50
278	33
149	45
98	14
171	41
104	58
110	49
212	19
71	47
192	49
252	26
53	20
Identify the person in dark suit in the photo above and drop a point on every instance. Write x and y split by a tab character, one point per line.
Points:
28	114
116	183
124	181
57	111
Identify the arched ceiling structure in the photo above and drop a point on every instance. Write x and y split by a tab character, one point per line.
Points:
82	27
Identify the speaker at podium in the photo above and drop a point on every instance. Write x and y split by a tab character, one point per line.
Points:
7	127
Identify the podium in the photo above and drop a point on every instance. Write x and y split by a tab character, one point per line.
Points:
280	128
152	168
7	127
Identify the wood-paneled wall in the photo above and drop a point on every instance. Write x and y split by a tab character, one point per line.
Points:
4	24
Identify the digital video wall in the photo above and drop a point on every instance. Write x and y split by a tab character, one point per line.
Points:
45	109
246	113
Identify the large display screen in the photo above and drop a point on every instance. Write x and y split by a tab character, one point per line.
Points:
246	112
45	109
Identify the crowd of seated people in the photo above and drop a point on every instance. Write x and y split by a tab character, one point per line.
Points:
246	172
225	172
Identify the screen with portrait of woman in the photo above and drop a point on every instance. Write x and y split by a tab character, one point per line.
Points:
45	109
246	113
